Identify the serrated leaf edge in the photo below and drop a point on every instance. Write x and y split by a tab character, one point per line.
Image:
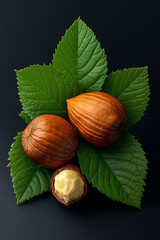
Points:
37	168
103	50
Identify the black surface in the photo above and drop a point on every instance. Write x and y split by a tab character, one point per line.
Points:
29	32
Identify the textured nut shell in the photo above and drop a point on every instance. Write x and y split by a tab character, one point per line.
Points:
78	170
50	141
98	117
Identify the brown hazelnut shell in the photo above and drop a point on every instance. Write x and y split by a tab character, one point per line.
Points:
49	141
71	167
98	117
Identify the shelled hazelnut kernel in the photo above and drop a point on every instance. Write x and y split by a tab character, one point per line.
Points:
68	184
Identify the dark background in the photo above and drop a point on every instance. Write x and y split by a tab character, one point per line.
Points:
29	32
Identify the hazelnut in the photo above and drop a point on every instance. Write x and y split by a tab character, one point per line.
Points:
98	117
50	141
68	185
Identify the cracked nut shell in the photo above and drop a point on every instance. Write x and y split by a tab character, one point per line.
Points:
79	172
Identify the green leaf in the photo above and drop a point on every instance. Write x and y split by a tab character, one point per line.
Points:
79	55
43	90
131	87
25	116
29	179
118	171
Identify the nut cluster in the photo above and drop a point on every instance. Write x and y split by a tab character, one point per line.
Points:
51	141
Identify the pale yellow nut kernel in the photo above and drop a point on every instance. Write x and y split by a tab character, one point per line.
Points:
68	185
